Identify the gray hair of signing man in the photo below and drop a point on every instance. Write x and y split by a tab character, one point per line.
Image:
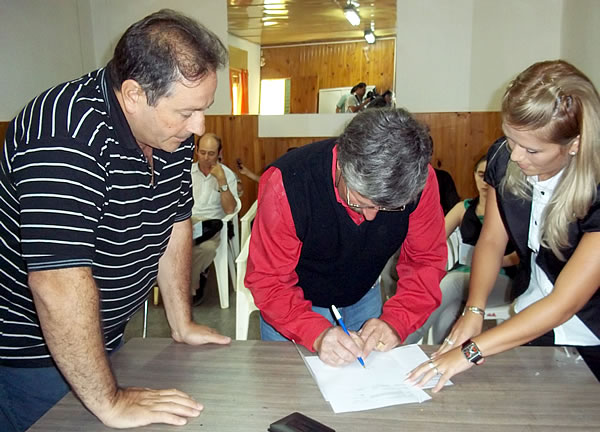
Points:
383	155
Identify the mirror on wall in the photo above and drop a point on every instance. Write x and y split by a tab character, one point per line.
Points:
311	46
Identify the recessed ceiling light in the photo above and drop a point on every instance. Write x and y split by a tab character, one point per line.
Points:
271	18
276	12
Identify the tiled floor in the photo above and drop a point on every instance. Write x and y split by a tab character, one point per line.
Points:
208	313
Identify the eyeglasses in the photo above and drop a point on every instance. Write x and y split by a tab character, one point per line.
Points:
367	207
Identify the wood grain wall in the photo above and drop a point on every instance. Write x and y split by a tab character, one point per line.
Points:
460	139
331	65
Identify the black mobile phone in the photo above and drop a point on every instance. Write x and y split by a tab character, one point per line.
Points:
298	422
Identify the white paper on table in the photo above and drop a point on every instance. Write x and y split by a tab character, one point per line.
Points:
380	384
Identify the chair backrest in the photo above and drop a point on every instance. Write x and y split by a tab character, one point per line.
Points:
246	222
244	300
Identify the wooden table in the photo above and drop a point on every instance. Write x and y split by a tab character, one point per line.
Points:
249	384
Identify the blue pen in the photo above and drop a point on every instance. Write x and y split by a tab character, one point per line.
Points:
339	319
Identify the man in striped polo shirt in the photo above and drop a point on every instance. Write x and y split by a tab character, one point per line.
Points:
95	205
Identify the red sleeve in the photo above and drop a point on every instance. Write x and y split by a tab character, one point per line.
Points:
271	271
421	265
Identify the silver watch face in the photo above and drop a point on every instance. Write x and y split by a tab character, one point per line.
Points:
224	188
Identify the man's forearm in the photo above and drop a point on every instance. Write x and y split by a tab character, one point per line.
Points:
228	202
67	302
174	271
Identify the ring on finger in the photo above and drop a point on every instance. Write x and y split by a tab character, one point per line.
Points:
380	345
432	365
448	341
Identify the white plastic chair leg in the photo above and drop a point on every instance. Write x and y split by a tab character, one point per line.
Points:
221	270
145	326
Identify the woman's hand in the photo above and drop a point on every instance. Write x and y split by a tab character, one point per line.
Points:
445	365
467	326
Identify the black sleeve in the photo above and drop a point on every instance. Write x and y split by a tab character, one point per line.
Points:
497	160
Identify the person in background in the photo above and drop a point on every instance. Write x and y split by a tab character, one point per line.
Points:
330	214
467	216
215	192
545	170
448	194
356	101
388	97
340	106
246	172
96	198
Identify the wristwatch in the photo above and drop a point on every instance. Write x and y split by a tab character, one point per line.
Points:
472	353
223	188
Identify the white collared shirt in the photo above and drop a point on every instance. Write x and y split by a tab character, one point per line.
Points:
207	197
573	331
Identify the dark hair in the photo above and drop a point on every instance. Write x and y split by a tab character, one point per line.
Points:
163	48
387	92
378	102
383	155
357	86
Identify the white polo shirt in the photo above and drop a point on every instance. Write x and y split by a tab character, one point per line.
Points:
207	197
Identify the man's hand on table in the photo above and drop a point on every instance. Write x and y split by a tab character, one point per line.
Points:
336	348
196	334
378	335
134	407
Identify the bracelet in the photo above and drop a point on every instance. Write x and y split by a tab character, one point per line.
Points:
474	309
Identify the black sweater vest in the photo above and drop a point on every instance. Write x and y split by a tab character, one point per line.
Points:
340	260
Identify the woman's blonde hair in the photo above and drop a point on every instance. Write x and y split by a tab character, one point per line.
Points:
559	103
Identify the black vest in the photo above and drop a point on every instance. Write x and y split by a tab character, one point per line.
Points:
516	213
340	260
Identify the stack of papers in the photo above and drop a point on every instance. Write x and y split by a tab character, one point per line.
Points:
380	384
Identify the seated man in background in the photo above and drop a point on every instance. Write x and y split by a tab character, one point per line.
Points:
330	214
215	195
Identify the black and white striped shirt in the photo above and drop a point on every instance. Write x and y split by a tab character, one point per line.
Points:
76	191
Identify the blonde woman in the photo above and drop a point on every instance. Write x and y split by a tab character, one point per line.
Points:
544	175
467	217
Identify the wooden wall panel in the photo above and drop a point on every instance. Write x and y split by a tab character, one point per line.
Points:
459	140
304	93
3	127
335	65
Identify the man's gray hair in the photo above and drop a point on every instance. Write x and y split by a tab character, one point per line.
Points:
383	155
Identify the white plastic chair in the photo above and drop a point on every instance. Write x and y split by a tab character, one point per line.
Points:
244	301
499	313
224	262
246	222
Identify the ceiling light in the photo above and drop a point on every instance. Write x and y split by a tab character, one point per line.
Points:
271	18
269	23
352	15
369	36
275	12
274	6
